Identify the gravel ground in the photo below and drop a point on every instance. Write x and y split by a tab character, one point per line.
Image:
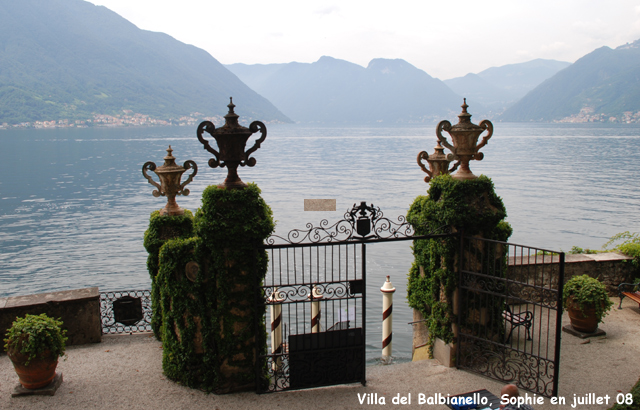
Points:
125	372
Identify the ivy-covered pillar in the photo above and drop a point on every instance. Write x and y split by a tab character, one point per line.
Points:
208	288
471	206
161	229
232	224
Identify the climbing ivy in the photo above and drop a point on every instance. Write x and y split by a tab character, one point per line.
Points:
471	206
209	335
161	229
188	345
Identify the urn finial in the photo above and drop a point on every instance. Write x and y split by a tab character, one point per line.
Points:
438	162
232	140
464	136
231	119
169	174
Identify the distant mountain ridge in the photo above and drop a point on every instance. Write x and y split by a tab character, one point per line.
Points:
71	59
333	91
499	87
604	85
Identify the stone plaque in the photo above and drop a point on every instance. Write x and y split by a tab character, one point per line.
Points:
319	204
191	270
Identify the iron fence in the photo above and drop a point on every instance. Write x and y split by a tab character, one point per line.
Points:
125	311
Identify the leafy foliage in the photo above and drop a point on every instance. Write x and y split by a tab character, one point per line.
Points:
586	292
34	335
576	250
635	394
630	245
470	205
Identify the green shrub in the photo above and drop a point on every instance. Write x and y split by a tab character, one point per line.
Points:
576	250
33	335
635	393
587	291
630	245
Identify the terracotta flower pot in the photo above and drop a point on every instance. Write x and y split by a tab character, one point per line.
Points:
40	371
588	324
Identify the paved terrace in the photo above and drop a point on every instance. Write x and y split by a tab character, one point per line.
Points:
125	372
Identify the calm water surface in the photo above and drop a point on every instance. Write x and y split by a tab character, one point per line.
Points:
74	205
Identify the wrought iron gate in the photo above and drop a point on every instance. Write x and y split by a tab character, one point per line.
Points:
314	299
510	313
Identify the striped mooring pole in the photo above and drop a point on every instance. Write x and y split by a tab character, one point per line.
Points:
315	295
387	317
276	328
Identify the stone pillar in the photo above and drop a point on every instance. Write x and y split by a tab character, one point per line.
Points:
213	331
231	224
471	206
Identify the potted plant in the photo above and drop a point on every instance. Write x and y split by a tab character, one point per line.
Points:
34	343
586	301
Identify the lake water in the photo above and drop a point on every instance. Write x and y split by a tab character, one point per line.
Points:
74	204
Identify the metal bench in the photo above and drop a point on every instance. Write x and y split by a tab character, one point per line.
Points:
629	290
518	319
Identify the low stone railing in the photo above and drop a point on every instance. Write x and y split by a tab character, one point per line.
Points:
611	268
79	310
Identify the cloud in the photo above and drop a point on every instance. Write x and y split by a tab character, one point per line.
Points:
554	47
327	10
560	50
523	53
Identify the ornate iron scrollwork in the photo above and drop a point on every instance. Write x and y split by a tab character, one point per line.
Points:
361	223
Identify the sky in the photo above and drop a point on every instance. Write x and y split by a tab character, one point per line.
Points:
446	39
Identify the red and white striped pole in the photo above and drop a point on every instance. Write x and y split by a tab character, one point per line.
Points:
315	295
387	317
276	328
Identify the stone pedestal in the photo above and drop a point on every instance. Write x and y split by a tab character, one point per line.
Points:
445	353
420	350
49	390
569	329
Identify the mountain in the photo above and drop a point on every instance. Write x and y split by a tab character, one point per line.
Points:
473	87
499	87
71	59
333	91
603	84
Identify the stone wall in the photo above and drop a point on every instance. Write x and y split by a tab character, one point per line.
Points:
610	268
79	310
